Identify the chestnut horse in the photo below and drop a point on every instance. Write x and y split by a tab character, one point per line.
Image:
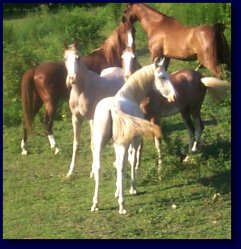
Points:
45	84
167	37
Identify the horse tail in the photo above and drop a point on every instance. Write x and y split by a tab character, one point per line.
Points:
222	49
27	92
126	127
216	87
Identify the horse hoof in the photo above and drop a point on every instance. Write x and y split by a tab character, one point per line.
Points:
94	208
68	176
123	211
56	151
132	191
188	159
24	153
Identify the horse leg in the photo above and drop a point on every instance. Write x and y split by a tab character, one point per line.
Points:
199	126
50	110
134	160
155	120
24	143
91	142
76	129
138	155
190	128
198	66
121	152
96	172
37	103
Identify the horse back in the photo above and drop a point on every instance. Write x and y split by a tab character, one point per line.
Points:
50	78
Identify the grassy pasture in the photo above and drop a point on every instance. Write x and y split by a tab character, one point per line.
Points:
183	201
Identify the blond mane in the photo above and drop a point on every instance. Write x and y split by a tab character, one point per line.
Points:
139	83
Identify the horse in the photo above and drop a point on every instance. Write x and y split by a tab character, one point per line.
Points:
129	66
87	89
168	37
121	119
45	84
191	88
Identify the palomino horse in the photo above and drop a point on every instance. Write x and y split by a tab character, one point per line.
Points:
190	87
45	84
87	89
120	118
167	37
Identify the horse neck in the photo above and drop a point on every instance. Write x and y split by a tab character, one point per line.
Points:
81	77
113	49
145	14
138	85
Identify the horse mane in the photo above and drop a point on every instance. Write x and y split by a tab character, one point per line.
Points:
160	13
111	45
138	80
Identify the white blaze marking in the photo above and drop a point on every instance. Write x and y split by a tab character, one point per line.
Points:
130	39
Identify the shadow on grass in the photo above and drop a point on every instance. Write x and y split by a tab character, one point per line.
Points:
168	127
221	182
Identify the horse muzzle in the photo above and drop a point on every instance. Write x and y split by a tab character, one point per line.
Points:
71	79
171	98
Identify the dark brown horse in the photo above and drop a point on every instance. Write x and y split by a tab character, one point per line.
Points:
167	37
190	87
45	84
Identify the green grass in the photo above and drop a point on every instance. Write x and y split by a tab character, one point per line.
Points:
38	202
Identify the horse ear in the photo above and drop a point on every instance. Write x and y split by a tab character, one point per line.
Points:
161	61
156	60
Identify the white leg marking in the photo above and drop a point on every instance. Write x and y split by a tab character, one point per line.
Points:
194	147
53	144
23	147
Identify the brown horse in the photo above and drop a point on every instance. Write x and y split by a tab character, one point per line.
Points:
190	87
45	84
167	37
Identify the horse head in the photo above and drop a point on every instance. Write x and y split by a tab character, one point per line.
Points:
127	34
128	60
162	80
71	58
129	13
